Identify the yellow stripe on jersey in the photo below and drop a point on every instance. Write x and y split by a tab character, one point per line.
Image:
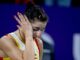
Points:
6	58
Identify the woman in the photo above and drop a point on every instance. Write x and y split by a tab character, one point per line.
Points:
25	42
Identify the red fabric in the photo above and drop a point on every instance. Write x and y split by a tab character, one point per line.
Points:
1	58
37	45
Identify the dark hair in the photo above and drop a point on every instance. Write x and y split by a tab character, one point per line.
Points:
35	11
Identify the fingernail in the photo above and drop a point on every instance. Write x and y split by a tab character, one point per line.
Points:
17	12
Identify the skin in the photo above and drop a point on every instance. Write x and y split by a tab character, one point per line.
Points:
26	31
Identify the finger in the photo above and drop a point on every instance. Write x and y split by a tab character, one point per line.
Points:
22	31
16	18
21	17
26	19
23	20
18	27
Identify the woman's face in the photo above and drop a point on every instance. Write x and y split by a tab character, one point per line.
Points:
38	27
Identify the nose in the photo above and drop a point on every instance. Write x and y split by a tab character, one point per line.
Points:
38	33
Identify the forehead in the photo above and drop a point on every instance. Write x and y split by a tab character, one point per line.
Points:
38	24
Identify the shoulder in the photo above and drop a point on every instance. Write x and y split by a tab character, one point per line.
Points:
6	41
6	37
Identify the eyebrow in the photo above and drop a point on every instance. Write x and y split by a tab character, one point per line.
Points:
40	28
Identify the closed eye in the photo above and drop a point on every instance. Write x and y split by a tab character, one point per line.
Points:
36	29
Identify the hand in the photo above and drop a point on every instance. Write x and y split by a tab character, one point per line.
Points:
24	24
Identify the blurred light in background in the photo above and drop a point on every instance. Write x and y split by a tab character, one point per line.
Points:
76	46
55	3
64	3
49	2
48	46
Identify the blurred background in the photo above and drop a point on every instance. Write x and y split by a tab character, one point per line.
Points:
62	35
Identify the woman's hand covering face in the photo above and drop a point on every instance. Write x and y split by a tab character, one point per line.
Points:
24	25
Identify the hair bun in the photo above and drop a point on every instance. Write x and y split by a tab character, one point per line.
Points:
30	5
